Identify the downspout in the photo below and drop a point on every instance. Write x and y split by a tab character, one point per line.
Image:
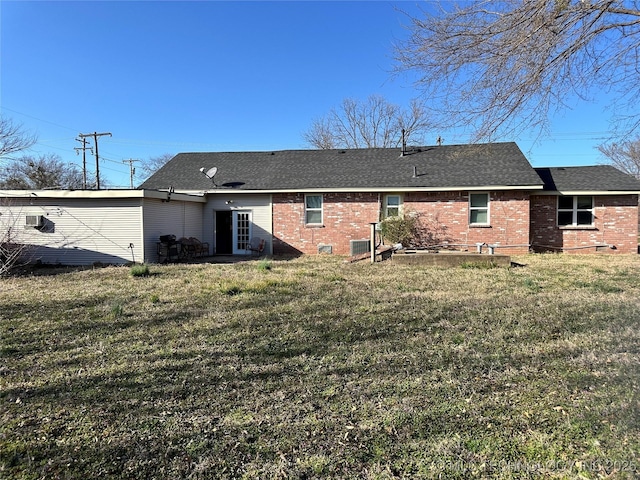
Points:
372	232
372	241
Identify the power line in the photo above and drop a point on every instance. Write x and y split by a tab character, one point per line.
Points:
132	169
84	159
95	136
39	119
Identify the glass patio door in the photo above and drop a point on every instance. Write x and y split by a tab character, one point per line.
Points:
241	232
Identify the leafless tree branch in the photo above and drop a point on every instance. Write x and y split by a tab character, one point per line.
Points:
624	156
153	164
36	173
13	250
13	138
508	65
369	124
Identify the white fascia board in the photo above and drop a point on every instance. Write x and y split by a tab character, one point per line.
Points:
198	197
589	192
378	189
99	194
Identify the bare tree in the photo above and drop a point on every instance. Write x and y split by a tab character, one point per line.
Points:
153	164
624	156
13	138
44	171
13	249
369	124
503	66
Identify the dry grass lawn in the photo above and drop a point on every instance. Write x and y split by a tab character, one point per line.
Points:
313	368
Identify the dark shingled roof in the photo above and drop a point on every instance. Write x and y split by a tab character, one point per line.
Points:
598	178
449	166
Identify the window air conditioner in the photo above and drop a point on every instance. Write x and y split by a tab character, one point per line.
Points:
33	221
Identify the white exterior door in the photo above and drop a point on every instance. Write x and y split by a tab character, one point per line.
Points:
241	232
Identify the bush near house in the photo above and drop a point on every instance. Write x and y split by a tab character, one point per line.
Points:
401	230
11	255
319	369
412	230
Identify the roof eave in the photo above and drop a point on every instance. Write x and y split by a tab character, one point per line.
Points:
368	189
106	194
589	192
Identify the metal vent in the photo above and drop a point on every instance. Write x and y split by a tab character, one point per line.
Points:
325	249
359	247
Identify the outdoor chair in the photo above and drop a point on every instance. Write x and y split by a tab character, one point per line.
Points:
187	248
200	248
256	245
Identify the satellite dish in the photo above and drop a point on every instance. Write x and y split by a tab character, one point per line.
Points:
210	173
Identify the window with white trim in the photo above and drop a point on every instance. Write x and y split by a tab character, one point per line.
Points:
313	209
479	209
392	206
575	210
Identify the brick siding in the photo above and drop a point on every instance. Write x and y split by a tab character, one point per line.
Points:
616	224
346	216
448	214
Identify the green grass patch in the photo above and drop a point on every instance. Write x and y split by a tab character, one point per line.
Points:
482	265
321	369
140	270
264	265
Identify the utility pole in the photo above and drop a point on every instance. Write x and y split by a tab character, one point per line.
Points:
84	159
95	136
132	169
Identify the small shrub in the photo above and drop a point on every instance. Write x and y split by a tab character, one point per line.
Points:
399	229
413	230
264	265
531	284
140	270
117	310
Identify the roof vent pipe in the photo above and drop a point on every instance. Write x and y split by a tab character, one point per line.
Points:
404	143
415	171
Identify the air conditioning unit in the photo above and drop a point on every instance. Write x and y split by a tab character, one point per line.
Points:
33	221
359	247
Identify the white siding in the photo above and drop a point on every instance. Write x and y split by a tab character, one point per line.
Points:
182	219
77	231
258	204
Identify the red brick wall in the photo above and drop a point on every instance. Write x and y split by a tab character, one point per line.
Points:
616	223
347	216
448	214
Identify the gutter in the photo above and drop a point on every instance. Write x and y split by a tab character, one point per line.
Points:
588	192
101	194
482	188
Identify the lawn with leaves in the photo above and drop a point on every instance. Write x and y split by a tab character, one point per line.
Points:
313	368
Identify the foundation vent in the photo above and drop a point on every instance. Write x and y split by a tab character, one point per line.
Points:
325	249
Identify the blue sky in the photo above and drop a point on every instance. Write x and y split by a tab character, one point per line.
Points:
170	77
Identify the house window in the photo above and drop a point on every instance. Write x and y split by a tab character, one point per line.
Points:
575	210
313	209
392	206
479	209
